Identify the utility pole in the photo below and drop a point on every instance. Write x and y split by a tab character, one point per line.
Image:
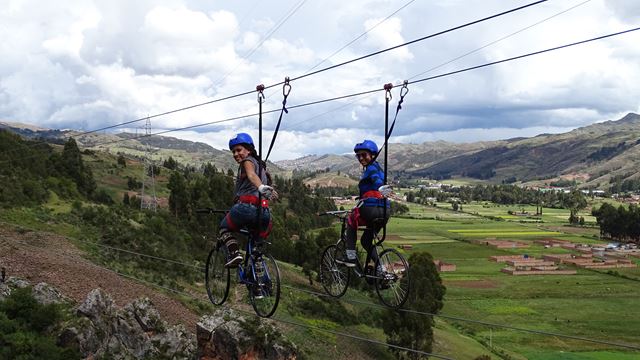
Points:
148	201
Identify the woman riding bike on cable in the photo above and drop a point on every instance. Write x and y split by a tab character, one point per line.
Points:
371	205
249	187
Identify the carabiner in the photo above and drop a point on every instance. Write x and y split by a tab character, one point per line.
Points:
286	88
405	89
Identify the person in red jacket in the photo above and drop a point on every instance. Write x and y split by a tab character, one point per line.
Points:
371	205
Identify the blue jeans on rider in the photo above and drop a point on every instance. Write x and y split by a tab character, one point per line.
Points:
240	216
243	215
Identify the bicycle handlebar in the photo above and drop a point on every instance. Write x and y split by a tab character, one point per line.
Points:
211	211
336	213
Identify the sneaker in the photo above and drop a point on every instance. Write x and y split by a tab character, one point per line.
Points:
257	292
234	260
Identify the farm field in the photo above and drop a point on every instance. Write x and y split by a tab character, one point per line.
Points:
590	304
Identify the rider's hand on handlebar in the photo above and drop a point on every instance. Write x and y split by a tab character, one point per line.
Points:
268	192
386	190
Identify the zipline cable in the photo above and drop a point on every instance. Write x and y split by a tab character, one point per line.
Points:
499	40
315	72
448	61
263	40
244	311
485	323
538	332
361	35
380	89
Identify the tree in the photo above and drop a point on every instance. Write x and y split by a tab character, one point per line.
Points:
410	329
122	161
70	164
575	202
170	163
179	197
125	199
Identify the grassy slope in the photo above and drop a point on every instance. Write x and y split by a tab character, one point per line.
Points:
590	304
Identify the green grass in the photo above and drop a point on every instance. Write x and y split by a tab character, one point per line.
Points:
590	304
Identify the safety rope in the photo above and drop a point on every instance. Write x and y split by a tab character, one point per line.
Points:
260	90
286	89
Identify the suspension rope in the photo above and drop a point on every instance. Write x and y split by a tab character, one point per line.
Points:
361	35
509	327
286	89
317	71
353	301
451	60
415	41
189	295
378	89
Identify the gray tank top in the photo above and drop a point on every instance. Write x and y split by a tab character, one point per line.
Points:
243	185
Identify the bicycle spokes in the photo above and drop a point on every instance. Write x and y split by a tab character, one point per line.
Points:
217	276
334	277
264	291
392	278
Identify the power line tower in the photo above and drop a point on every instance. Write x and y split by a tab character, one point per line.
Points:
148	201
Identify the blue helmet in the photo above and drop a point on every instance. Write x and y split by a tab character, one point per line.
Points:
367	145
240	138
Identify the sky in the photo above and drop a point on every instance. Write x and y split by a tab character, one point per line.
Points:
90	64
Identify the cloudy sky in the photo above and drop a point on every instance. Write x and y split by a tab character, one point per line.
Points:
89	64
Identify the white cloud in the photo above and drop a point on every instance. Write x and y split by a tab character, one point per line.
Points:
116	61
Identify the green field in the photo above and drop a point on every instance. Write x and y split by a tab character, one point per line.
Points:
591	304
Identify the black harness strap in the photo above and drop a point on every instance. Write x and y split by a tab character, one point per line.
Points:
403	92
387	134
260	90
286	89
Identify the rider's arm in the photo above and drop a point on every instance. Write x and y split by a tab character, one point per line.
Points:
374	177
250	170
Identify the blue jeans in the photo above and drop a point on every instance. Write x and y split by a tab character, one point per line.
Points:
243	215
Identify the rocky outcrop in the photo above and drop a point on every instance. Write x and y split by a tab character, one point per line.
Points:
132	332
101	329
228	335
44	293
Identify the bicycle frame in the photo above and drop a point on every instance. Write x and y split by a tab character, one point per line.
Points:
359	270
243	277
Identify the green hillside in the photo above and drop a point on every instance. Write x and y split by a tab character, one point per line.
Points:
595	153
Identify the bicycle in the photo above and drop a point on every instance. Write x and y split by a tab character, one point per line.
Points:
259	272
390	273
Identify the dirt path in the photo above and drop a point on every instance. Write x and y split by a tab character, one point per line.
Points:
50	258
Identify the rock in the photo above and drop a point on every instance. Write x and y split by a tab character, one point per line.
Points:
18	283
146	315
133	332
5	291
227	335
99	308
11	283
46	294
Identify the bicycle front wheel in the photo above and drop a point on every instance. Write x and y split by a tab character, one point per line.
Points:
217	276
392	278
264	293
333	276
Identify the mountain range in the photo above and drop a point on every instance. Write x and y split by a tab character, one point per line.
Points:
592	154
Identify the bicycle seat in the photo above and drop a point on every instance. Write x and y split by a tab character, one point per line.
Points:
376	223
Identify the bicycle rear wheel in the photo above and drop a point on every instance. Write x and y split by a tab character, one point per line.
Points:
392	278
264	293
333	276
217	276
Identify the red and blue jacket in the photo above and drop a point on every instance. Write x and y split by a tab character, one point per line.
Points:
372	178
